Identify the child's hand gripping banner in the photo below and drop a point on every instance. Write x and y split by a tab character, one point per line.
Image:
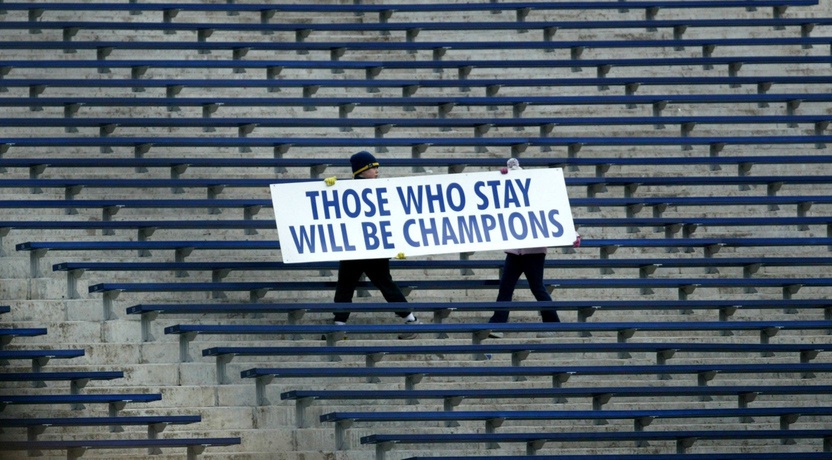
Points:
422	215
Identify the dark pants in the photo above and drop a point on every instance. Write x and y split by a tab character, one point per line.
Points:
378	271
530	265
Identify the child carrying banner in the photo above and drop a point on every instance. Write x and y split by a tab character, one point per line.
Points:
365	166
529	262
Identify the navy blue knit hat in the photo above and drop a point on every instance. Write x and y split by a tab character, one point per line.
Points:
362	161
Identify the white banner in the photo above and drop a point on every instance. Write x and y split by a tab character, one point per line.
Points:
422	215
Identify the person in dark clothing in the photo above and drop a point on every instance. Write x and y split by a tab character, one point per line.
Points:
529	262
365	166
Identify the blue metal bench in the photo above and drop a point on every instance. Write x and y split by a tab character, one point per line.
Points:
600	395
517	145
518	351
646	266
5	309
381	125
337	49
414	27
257	290
444	105
494	419
607	247
671	225
521	8
534	441
37	249
76	448
684	456
115	401
585	308
479	331
409	87
155	423
711	245
39	357
77	379
8	334
318	166
372	69
441	310
250	207
559	374
594	185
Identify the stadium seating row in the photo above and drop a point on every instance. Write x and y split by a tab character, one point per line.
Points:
372	69
414	28
600	395
491	86
518	351
317	166
75	448
521	8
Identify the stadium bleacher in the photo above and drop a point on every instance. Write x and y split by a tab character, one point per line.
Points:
137	147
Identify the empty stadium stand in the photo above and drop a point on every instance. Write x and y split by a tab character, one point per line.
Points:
147	309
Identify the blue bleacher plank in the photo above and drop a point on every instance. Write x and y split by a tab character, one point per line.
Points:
681	283
382	46
467	122
558	374
632	83
683	456
37	249
711	245
155	423
318	165
77	379
464	264
820	123
221	269
534	441
517	145
403	7
40	354
39	358
575	202
262	224
258	289
114	398
519	351
8	334
584	308
420	416
483	328
493	419
424	25
194	445
110	206
599	395
424	101
273	244
688	225
594	182
464	66
364	350
92	421
5	309
188	332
